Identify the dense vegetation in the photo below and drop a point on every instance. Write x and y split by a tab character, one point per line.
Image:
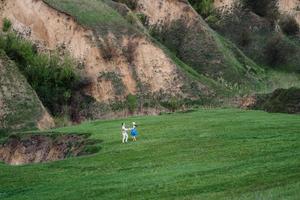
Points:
266	44
289	25
281	100
51	77
263	8
203	7
206	154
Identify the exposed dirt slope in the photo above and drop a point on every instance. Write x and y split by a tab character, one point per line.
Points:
291	7
179	27
225	5
37	149
20	107
129	56
261	39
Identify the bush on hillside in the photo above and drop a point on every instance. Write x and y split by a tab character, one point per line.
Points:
115	79
289	25
244	38
132	4
131	102
172	104
263	8
52	78
277	51
6	25
204	7
281	100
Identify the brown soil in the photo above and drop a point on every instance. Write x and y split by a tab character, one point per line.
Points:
291	7
51	29
37	149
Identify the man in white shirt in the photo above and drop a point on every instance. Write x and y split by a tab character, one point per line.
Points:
124	133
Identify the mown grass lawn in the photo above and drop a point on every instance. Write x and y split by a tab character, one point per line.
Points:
206	154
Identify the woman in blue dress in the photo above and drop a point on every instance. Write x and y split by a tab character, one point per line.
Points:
133	131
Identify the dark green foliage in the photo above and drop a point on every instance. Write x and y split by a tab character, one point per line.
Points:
204	7
257	42
263	8
244	37
80	105
289	25
281	100
277	51
172	104
131	101
52	78
6	25
132	4
143	18
205	51
118	105
115	80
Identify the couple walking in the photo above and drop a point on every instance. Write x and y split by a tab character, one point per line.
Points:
133	132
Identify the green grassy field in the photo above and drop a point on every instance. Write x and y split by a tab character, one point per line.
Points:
206	154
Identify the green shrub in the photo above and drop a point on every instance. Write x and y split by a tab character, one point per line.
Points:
131	102
117	105
212	20
6	25
263	8
132	4
115	79
281	100
172	104
289	25
277	51
244	37
204	7
143	18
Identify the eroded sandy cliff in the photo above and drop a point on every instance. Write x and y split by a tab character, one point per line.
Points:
133	58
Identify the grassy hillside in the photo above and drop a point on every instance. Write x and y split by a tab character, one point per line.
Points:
206	154
262	44
94	14
106	16
201	49
20	107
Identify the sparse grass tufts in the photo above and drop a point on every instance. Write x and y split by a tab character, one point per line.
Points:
115	80
204	7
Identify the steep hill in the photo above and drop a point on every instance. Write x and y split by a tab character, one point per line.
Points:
264	31
20	108
176	25
290	7
141	57
103	42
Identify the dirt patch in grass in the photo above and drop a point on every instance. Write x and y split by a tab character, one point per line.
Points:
18	150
